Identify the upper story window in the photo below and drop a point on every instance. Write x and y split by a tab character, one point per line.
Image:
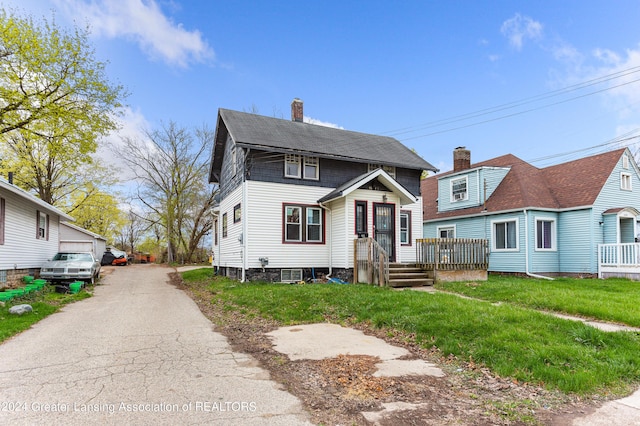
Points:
459	189
234	166
625	181
391	170
301	167
625	162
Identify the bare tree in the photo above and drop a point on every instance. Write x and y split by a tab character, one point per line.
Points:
171	165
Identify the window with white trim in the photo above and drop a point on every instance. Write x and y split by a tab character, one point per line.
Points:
311	169
505	235
303	224
405	227
625	162
43	225
293	231
625	181
459	189
301	167
292	166
545	234
447	232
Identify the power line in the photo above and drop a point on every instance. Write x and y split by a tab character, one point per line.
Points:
518	103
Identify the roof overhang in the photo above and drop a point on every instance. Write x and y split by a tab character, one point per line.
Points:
625	212
383	177
37	201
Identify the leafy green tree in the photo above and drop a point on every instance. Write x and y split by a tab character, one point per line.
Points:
98	212
171	165
55	104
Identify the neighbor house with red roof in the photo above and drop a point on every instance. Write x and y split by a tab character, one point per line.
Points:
541	221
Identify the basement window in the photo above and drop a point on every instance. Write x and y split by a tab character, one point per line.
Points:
290	275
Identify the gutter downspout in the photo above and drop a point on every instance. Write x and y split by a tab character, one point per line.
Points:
245	215
526	250
329	240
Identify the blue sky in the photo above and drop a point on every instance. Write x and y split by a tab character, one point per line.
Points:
496	76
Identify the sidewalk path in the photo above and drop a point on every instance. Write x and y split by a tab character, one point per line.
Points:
138	352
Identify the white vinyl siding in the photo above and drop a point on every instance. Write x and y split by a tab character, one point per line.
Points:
265	202
22	248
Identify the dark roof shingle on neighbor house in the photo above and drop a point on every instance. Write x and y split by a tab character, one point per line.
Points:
571	184
291	137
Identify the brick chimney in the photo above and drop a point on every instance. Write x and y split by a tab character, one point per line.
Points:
461	159
296	110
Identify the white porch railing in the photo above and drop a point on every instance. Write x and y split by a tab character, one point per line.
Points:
619	260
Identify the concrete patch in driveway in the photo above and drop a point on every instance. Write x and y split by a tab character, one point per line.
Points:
320	341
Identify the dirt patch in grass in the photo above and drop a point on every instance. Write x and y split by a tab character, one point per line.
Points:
338	390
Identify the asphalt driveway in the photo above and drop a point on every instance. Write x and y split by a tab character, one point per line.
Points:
138	352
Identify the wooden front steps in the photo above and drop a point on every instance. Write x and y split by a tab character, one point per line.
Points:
408	275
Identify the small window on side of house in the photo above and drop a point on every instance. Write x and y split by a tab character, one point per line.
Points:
625	162
405	227
224	225
237	213
361	218
625	181
42	225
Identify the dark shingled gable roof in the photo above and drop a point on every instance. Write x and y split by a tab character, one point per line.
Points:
571	184
285	136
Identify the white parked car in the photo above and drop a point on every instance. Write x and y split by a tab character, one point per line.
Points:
71	266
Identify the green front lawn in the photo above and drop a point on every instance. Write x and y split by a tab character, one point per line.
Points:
512	341
615	300
44	303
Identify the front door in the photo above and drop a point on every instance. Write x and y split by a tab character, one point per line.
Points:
384	219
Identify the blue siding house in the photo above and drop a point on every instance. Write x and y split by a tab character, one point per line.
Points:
539	221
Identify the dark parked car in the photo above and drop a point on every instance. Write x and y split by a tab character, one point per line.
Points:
114	257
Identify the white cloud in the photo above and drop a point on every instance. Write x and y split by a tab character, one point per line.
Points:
321	123
144	22
132	125
518	28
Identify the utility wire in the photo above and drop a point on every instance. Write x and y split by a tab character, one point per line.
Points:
520	112
518	103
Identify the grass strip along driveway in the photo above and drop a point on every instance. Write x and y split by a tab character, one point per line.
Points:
512	341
